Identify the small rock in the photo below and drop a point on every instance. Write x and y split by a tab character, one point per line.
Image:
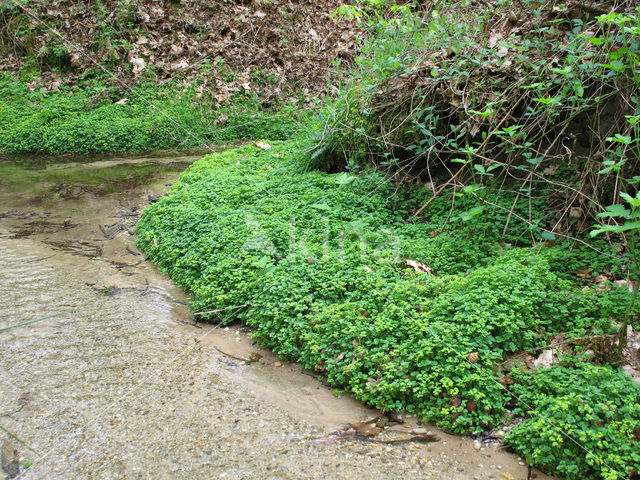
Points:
277	364
507	476
10	459
262	145
477	445
419	431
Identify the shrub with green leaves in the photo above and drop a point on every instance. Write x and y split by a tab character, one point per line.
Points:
317	264
535	98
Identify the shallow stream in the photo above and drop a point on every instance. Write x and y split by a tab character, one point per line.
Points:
120	382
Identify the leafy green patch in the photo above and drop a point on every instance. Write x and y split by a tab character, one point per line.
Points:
581	422
96	118
329	273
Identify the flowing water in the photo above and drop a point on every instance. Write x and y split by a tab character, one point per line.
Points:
119	382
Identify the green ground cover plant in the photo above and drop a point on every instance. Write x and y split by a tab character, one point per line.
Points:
408	315
571	415
473	147
96	118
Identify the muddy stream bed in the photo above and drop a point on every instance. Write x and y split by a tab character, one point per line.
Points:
119	382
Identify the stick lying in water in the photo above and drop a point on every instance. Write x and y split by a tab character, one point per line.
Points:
29	322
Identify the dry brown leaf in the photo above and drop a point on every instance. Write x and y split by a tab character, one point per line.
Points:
138	65
494	38
583	272
320	368
366	429
551	170
262	145
576	212
628	284
545	360
419	266
170	34
506	381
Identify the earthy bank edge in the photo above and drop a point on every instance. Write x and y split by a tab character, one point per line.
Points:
319	263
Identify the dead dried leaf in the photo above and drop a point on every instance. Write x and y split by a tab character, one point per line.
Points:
575	212
138	65
628	284
551	170
506	381
366	429
545	360
419	266
494	38
583	272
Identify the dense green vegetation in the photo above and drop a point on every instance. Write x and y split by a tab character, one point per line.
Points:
467	196
89	119
575	415
513	93
317	264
